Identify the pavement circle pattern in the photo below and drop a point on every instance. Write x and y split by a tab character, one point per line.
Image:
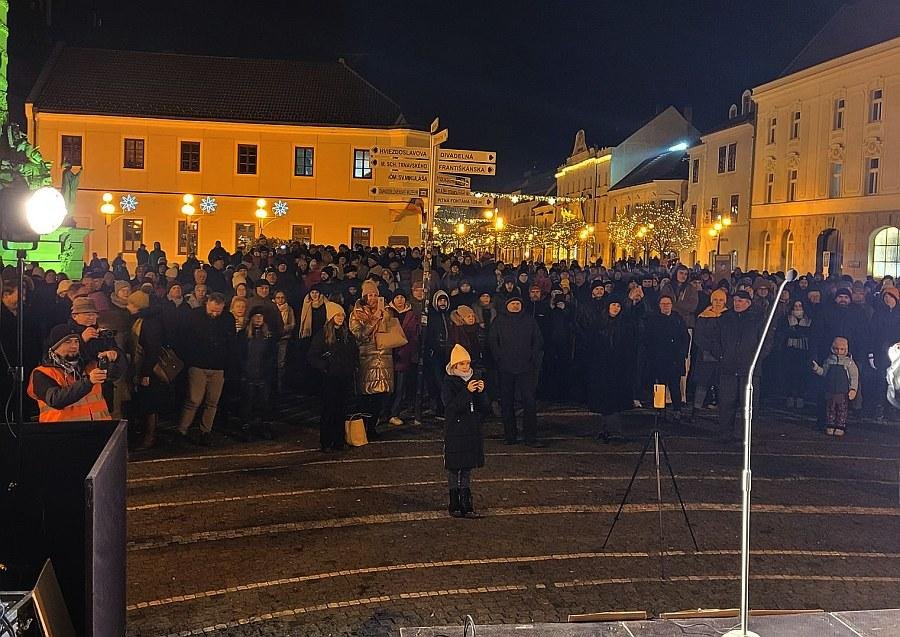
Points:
274	538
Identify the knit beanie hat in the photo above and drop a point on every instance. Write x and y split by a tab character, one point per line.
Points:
743	294
514	297
139	299
63	287
843	292
457	355
60	334
118	285
332	309
465	312
370	287
894	292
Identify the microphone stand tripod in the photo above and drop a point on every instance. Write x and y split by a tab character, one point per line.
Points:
746	475
656	440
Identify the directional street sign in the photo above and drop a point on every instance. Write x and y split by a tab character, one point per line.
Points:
476	156
439	138
398	152
454	181
464	201
450	190
399	191
402	179
466	168
402	164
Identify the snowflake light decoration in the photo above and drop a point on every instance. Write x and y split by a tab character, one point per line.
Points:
208	205
279	208
128	203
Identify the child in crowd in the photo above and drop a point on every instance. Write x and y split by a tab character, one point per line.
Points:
464	401
257	375
841	384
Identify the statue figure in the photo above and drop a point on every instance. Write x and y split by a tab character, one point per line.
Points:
69	189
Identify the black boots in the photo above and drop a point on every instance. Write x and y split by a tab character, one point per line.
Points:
455	508
148	440
465	502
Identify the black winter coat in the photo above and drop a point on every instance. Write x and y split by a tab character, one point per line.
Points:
258	359
335	361
885	332
739	334
211	339
667	343
516	343
463	435
612	365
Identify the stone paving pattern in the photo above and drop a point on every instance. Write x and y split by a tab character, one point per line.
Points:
277	538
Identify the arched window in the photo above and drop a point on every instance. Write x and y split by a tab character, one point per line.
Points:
746	102
766	249
788	251
886	253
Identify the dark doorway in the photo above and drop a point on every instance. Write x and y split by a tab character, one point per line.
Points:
829	252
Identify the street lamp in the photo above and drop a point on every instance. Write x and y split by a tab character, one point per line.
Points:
188	210
460	231
498	227
717	229
108	210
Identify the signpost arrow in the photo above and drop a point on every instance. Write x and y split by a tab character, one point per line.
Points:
466	168
397	152
401	164
454	181
477	156
464	201
401	178
399	191
450	190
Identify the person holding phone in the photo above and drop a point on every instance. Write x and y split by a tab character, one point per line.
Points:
464	401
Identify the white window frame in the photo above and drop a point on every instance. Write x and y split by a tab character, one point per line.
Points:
835	179
731	162
885	241
876	105
837	122
873	174
722	162
773	129
770	186
793	178
795	125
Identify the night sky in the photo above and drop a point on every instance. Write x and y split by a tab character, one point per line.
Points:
519	77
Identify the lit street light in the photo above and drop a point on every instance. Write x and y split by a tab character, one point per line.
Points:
108	210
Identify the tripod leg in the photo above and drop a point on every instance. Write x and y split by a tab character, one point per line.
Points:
678	493
662	540
637	468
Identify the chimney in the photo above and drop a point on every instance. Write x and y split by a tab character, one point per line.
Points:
688	113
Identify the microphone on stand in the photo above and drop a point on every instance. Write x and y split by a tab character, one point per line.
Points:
743	631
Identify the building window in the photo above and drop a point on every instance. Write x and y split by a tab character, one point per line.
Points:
770	186
134	153
835	179
302	234
886	253
873	165
187	237
71	150
735	202
773	126
244	234
839	105
362	169
360	236
694	215
714	205
132	234
246	159
303	161
788	251
795	125
766	250
732	157
876	104
723	153
190	157
695	171
792	185
668	204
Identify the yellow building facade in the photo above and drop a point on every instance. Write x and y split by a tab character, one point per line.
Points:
826	181
317	179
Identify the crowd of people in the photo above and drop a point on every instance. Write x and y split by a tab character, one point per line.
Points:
217	344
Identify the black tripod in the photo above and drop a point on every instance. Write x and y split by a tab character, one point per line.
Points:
656	440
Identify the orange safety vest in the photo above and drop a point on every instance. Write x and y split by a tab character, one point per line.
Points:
90	407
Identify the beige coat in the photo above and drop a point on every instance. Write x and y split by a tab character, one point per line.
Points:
376	366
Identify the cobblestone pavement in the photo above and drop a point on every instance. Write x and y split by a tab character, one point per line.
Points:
277	538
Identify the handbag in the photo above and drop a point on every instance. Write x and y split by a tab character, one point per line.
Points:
393	337
169	365
355	431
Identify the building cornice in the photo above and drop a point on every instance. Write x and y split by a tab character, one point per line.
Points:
814	73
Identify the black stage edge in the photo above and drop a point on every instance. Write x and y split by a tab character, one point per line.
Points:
866	623
69	506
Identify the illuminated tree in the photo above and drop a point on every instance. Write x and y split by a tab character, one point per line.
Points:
655	227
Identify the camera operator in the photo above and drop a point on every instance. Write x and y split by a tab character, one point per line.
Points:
94	339
67	385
